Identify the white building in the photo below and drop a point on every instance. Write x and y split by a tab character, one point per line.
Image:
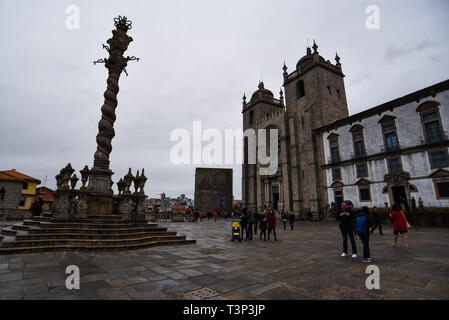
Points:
396	150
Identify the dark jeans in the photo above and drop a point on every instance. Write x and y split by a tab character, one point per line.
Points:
365	240
345	234
292	224
274	233
375	226
249	232
255	227
244	230
285	224
264	233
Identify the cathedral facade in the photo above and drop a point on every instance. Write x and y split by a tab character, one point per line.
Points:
314	97
313	124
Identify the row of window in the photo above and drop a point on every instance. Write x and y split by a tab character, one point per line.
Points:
438	159
441	191
432	128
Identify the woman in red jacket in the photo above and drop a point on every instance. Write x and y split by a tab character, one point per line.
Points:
400	225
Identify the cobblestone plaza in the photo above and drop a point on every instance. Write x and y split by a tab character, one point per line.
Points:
302	264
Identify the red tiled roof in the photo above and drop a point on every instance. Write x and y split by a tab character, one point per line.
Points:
46	194
14	175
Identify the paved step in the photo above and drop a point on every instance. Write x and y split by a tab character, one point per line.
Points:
21	227
8	231
35	230
85	224
82	242
53	236
94	247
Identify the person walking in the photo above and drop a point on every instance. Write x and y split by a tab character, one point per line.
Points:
250	221
244	223
413	201
284	217
420	205
363	222
376	221
36	207
256	221
215	216
291	220
347	228
201	216
196	215
400	225
263	225
271	219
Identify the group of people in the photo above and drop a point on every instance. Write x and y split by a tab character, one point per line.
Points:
264	221
200	215
353	224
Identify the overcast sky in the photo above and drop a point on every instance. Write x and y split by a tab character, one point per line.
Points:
198	58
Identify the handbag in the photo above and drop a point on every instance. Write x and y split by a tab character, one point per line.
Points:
408	224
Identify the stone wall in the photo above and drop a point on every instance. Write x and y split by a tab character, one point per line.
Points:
210	186
13	192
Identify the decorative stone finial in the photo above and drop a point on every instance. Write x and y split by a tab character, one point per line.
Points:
261	85
337	58
284	68
315	47
244	98
308	51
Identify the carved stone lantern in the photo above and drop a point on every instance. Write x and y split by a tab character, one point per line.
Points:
73	181
121	185
58	181
84	176
136	182
128	180
143	179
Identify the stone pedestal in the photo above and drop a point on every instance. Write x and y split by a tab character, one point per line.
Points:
99	200
61	205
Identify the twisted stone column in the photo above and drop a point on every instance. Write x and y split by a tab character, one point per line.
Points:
100	183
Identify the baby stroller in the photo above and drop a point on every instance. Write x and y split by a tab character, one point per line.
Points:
236	229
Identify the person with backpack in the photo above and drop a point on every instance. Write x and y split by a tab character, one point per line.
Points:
263	225
284	219
400	225
347	229
363	222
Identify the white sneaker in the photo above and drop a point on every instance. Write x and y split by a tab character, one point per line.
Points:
354	255
343	254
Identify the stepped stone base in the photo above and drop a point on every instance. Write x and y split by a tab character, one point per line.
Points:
94	233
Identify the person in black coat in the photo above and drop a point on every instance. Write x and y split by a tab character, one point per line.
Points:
347	224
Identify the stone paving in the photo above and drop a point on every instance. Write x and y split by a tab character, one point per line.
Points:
302	264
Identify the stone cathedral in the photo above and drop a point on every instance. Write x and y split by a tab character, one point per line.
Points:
314	97
396	152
